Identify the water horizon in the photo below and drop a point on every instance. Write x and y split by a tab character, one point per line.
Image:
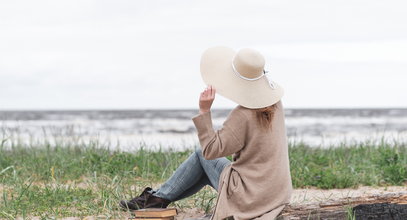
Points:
174	127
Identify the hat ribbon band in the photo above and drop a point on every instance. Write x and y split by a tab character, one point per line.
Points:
253	79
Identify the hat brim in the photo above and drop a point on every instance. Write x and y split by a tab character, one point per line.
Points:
216	70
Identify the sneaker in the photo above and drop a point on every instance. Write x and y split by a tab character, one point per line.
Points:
145	200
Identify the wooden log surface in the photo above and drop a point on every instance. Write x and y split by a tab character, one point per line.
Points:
379	206
389	206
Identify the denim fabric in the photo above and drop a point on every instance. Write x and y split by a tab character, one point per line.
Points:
193	174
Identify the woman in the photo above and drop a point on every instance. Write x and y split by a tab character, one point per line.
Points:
257	183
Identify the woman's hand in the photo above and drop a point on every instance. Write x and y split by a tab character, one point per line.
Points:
206	99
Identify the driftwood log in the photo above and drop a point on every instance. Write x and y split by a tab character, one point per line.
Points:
391	206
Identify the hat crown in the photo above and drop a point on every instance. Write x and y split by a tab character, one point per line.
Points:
249	63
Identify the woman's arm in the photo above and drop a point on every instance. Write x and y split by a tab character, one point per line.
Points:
225	141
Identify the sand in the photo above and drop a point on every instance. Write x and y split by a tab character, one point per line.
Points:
299	196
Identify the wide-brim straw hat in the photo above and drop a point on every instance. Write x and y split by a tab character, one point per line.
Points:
240	76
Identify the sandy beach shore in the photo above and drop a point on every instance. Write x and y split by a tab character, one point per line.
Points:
313	195
304	196
299	196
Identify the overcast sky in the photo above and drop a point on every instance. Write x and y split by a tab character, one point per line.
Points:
81	54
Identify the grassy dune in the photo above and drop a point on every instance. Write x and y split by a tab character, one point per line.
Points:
82	179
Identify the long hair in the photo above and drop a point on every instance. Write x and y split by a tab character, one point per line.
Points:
265	116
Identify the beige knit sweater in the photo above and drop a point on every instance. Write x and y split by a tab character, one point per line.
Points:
257	184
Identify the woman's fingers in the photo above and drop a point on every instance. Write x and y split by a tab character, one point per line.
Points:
204	95
208	93
206	99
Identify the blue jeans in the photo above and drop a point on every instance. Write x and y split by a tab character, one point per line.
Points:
193	174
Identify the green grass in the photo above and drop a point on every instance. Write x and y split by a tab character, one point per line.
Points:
370	164
81	179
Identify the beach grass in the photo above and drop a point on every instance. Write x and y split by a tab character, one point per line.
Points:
88	179
376	163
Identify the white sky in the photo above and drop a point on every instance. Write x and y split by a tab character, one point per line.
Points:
81	54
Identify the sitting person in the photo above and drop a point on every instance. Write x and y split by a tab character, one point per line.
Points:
257	183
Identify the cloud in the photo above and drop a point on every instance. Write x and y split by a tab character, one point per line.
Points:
87	52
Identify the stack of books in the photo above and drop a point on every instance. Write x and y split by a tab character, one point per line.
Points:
155	214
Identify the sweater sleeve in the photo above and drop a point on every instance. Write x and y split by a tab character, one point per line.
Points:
223	142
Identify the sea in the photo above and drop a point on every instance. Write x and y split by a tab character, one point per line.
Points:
173	129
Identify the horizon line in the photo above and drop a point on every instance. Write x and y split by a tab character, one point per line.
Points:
192	109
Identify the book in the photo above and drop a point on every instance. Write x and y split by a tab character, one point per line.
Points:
155	213
153	218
